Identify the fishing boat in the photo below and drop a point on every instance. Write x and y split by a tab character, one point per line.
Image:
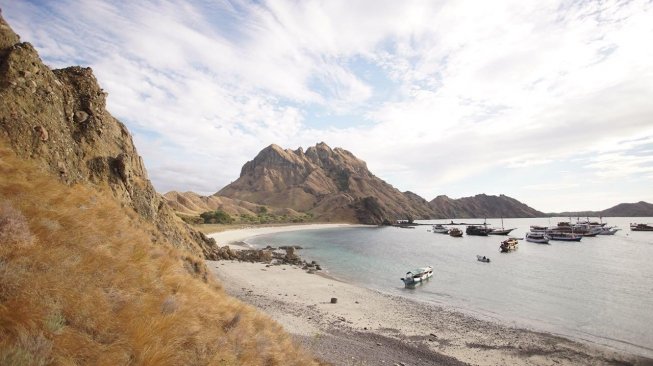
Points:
439	229
610	230
455	232
477	230
417	276
502	231
537	237
482	259
508	245
561	236
641	227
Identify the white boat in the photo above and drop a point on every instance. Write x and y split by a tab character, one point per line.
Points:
439	229
417	276
482	258
609	230
537	237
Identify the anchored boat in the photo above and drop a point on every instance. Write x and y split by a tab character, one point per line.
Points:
417	276
538	237
483	259
508	245
455	232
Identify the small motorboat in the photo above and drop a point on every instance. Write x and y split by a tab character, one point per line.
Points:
508	245
477	230
538	237
482	258
455	232
417	276
439	229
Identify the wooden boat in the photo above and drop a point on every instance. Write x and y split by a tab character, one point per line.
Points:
537	237
502	231
439	229
482	259
508	245
417	276
455	232
641	227
560	236
477	230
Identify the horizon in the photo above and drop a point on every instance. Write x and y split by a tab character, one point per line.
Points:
544	102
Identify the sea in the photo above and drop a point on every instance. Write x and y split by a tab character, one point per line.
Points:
599	290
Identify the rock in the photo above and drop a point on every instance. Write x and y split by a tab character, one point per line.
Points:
334	300
41	132
80	117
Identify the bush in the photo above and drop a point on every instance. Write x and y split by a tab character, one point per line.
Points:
216	217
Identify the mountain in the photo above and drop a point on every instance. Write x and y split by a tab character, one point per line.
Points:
191	203
481	205
94	267
639	209
58	119
332	184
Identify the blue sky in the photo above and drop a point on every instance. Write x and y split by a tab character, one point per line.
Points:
550	102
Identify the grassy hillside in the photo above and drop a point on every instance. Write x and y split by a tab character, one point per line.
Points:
82	283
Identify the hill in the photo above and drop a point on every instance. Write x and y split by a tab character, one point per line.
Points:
481	205
638	209
94	268
58	119
331	184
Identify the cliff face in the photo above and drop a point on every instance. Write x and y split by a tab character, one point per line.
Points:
332	184
58	118
481	205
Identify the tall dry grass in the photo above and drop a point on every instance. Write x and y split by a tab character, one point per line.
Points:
81	283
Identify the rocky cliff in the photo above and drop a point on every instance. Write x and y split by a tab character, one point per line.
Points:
332	184
58	118
190	203
481	205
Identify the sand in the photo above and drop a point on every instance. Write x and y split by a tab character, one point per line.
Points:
366	327
234	238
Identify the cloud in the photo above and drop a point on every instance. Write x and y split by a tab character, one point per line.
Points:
445	97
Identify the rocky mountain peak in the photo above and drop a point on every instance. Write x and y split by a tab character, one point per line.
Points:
58	119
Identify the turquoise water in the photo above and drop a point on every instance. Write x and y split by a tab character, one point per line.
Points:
599	290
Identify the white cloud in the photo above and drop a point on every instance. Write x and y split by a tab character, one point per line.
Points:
479	87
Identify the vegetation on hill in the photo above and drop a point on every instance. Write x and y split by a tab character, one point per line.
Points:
82	282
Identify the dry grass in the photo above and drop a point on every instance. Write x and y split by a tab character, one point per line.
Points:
82	284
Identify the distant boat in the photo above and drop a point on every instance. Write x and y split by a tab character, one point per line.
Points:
439	229
417	276
560	236
477	230
537	237
483	259
509	245
455	232
502	231
641	227
609	230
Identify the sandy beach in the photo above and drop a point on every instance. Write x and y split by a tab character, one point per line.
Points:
234	238
366	327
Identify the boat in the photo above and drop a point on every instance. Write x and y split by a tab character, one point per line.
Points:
641	227
508	245
502	231
537	237
439	229
417	276
609	230
455	232
477	230
561	236
483	259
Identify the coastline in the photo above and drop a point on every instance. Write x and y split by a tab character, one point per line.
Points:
235	238
369	327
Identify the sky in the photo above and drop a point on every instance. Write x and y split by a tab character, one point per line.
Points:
549	102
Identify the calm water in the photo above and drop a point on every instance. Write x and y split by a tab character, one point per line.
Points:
600	289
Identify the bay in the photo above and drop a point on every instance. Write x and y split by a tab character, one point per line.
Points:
598	290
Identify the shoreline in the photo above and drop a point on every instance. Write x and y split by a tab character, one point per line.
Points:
369	327
235	238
